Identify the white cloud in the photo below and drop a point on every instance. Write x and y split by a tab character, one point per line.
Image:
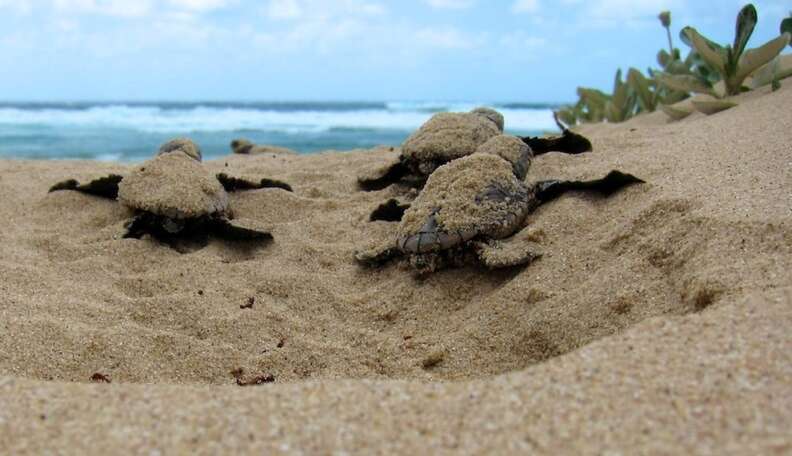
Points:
525	6
444	38
118	8
132	8
16	6
307	9
200	5
283	9
451	4
613	12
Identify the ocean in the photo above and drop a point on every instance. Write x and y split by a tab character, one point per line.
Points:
133	131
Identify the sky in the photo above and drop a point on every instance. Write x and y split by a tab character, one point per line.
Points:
350	50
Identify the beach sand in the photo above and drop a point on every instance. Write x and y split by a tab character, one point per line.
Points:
657	321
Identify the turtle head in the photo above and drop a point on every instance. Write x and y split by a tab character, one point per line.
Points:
490	114
241	146
512	149
183	145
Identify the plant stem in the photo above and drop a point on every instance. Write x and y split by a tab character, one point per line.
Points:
670	43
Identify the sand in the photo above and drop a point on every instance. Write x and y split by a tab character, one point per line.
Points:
657	321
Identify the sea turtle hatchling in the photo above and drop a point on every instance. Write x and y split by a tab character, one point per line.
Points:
468	209
173	196
243	146
448	136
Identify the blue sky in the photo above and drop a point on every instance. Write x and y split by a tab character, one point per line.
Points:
478	50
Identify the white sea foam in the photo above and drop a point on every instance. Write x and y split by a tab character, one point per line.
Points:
152	119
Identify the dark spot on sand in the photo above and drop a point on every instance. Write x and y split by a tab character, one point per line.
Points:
258	380
702	295
249	305
100	378
200	292
433	360
281	342
703	298
390	316
621	306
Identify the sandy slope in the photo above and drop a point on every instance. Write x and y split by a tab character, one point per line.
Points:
658	319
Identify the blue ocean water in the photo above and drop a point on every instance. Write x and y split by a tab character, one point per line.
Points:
133	131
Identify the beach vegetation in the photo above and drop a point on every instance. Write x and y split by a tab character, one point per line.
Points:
734	63
710	70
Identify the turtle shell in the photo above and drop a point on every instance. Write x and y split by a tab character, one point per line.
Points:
448	136
511	149
492	115
477	195
184	145
173	185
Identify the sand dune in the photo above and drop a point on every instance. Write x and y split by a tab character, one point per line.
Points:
657	321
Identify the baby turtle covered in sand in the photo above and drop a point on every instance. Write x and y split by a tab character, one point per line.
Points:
448	136
172	196
468	209
245	147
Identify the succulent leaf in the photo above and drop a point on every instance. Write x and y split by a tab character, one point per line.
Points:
713	54
709	107
778	68
786	26
663	58
647	100
746	22
755	58
676	112
685	83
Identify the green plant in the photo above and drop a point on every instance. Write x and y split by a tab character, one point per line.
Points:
708	68
665	20
786	26
733	62
622	104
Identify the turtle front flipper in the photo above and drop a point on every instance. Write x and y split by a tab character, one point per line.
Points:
239	230
389	211
104	187
506	253
235	184
384	176
607	186
146	223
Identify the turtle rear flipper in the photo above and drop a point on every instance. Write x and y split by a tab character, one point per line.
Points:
510	252
507	253
104	187
239	230
606	186
568	143
235	184
384	176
